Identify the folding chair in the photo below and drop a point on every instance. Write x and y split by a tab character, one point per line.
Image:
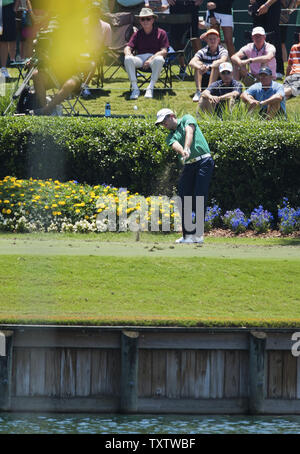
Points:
122	29
187	49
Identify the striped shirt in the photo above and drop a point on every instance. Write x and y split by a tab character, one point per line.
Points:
207	57
294	59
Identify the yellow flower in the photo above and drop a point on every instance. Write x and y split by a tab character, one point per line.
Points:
6	201
8	211
77	211
54	205
61	202
46	207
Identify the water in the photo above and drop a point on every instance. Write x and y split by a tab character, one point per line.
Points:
25	423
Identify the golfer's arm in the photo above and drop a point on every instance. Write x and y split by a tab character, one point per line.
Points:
189	135
177	147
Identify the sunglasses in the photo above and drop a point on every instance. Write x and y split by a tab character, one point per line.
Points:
145	18
225	72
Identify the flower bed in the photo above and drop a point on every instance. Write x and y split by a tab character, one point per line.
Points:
54	206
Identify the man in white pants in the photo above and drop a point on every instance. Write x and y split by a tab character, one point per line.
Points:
147	48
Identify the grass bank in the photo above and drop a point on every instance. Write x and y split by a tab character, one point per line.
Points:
112	279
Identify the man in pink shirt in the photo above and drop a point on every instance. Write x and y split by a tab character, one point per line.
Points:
256	54
147	48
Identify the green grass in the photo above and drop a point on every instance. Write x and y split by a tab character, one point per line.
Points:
158	283
179	99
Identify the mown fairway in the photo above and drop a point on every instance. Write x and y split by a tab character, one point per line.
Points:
114	279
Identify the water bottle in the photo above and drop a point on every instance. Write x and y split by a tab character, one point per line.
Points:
107	110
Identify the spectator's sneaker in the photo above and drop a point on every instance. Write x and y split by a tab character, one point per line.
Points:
5	73
188	239
197	96
86	92
198	239
149	93
279	76
135	93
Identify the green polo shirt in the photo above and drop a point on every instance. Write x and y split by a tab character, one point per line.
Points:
199	145
7	2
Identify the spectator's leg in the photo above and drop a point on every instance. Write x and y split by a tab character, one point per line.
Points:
131	63
228	37
273	108
206	105
214	75
156	66
272	25
39	81
198	79
66	90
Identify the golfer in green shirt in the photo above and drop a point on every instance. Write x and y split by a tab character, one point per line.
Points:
187	140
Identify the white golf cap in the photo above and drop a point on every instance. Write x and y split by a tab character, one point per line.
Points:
161	115
258	31
226	66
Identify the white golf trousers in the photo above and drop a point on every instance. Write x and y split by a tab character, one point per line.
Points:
132	62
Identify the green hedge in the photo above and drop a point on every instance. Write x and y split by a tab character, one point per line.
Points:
256	162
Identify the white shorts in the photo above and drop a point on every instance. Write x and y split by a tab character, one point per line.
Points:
225	20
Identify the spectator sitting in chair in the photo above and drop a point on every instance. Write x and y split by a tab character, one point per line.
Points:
146	49
222	92
267	95
256	54
206	61
292	81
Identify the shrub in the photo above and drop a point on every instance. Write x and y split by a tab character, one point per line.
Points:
235	220
256	162
260	220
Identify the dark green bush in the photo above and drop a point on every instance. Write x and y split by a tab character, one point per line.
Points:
256	162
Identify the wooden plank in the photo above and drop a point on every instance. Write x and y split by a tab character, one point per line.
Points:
99	371
244	374
37	372
187	341
83	372
275	362
188	366
145	373
79	338
232	374
202	374
72	404
173	373
193	406
68	372
289	379
217	372
52	372
113	375
21	367
159	366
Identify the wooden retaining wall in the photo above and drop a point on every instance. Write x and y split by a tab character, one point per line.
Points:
149	370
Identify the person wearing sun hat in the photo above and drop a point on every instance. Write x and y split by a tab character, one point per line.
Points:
222	92
255	54
186	139
147	48
207	60
266	96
